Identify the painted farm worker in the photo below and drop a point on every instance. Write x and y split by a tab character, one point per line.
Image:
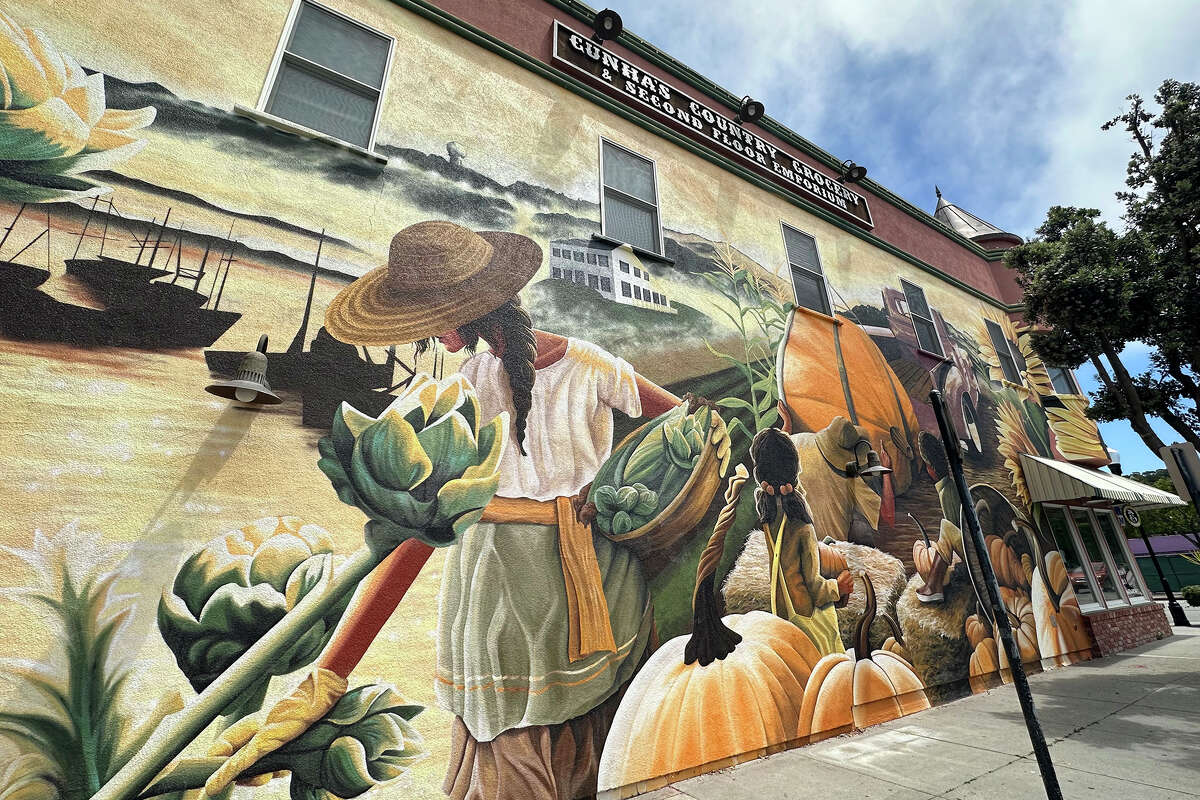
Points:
950	538
799	592
540	622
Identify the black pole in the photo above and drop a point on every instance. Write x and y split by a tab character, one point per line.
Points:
1177	616
1000	614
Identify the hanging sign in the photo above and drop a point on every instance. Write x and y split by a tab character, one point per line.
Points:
1131	516
579	52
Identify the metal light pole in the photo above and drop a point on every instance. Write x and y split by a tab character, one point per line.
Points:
999	613
1177	616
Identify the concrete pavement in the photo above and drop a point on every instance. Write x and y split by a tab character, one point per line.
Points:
1127	727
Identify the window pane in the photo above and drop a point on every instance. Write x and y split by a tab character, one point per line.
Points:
323	106
593	281
810	290
1061	380
801	249
916	300
630	223
1000	345
631	174
1066	547
578	256
339	45
624	266
626	289
1087	534
927	336
606	284
1116	547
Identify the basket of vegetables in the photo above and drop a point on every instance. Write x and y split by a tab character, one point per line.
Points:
659	482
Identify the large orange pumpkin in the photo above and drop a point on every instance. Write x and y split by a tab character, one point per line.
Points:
1062	635
859	688
989	661
731	689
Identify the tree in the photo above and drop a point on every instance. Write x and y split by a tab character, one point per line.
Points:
1098	289
1166	521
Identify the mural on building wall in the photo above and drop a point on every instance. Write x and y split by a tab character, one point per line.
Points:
415	571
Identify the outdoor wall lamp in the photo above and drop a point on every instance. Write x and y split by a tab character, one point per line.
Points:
851	172
249	384
751	110
873	467
606	25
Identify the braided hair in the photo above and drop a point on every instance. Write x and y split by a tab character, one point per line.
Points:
776	463
511	324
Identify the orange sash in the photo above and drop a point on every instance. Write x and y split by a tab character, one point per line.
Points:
590	629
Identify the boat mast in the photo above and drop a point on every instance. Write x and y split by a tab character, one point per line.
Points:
145	241
104	232
297	345
158	241
12	225
86	222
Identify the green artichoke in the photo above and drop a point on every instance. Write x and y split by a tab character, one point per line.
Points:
364	740
233	590
423	469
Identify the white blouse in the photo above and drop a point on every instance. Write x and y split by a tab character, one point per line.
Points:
568	434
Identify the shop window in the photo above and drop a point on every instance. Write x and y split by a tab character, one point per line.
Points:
1062	380
1060	530
629	198
1004	351
594	282
329	74
626	289
625	266
922	319
1125	571
808	281
606	285
1101	569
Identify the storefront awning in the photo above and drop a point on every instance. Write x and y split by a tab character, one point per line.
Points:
1050	481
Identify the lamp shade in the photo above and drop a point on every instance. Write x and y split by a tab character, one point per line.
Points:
249	384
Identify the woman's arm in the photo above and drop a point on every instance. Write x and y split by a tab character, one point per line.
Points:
655	400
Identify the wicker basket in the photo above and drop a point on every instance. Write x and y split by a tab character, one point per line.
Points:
661	536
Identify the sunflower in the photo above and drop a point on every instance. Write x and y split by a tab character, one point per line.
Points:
1013	441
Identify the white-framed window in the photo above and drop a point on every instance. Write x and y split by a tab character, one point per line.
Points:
1006	351
922	319
808	279
629	198
1109	575
1062	380
328	74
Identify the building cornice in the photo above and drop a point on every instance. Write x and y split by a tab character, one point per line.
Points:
428	10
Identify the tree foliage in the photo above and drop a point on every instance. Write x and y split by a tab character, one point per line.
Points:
1166	521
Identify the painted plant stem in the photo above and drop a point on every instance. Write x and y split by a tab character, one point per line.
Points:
178	730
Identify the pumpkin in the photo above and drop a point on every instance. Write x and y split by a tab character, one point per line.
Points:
859	688
1006	564
732	688
1062	635
832	562
984	666
988	657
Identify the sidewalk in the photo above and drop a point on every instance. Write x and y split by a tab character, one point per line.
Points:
1124	727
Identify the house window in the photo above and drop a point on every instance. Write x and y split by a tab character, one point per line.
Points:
629	198
637	273
637	292
624	266
626	289
922	319
329	74
808	281
1004	351
591	258
1062	381
578	256
606	285
603	260
594	282
556	272
579	276
556	251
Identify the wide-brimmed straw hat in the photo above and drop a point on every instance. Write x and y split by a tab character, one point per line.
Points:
439	276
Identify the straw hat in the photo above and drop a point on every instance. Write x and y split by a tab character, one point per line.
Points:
439	276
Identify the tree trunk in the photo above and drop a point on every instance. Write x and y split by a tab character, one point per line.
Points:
1182	428
1137	418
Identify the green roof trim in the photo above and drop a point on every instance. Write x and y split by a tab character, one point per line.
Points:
427	10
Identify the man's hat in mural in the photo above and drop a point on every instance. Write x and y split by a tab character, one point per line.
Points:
439	276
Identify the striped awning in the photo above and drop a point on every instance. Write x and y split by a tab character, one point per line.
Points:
1050	480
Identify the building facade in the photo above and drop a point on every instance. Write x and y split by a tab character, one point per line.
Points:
525	296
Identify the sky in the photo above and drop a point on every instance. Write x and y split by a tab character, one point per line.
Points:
999	104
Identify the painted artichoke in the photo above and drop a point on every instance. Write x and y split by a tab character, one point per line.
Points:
423	469
53	121
233	590
364	740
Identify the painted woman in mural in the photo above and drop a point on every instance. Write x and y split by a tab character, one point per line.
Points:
540	622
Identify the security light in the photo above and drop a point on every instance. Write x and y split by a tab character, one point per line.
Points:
851	172
606	25
751	110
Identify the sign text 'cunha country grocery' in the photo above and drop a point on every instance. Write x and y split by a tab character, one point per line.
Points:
580	52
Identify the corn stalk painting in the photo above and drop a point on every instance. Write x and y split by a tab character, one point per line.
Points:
264	600
758	312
